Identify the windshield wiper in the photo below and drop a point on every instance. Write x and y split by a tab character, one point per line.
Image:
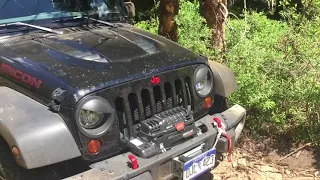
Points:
31	25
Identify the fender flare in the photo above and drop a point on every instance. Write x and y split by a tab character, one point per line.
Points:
225	82
41	136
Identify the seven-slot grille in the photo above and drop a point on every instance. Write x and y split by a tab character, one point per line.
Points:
136	104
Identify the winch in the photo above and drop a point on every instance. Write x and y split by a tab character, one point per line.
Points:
163	131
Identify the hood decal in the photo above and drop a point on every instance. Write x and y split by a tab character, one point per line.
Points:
20	75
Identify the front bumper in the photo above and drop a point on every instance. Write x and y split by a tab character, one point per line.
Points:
160	166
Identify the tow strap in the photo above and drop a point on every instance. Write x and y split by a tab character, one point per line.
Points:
222	131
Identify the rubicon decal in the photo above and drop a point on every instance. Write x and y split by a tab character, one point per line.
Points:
19	75
155	80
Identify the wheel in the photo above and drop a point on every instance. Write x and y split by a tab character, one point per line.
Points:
9	169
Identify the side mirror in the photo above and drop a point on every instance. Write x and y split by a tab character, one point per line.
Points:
130	8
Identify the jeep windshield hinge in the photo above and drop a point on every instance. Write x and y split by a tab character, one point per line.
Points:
56	99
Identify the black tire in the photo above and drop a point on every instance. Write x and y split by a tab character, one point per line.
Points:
9	169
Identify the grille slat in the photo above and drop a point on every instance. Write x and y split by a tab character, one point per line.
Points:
153	103
169	95
120	109
158	98
146	102
128	117
164	98
190	92
184	94
141	108
178	92
133	102
174	95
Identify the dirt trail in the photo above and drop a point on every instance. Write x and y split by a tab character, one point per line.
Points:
251	162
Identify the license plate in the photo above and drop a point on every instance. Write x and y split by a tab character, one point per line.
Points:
199	164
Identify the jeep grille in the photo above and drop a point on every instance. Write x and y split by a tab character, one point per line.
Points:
138	100
144	104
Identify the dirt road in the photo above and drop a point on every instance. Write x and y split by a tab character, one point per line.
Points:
251	162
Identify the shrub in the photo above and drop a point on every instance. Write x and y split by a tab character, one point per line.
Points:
278	76
194	36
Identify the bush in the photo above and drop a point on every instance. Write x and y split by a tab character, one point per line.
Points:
278	75
277	67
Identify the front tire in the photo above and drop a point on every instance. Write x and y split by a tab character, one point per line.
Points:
9	169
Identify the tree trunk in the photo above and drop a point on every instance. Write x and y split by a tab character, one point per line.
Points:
168	27
215	12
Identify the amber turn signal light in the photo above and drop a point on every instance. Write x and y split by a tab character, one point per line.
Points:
15	152
208	102
94	146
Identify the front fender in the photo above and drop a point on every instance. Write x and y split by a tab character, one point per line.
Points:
225	81
41	135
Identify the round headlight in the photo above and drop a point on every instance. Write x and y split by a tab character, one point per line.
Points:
203	80
94	116
90	119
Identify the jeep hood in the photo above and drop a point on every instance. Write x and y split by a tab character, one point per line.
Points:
83	61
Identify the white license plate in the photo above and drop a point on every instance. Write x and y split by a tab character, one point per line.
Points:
199	164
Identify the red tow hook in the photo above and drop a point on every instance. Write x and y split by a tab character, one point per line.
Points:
218	121
134	161
224	132
230	147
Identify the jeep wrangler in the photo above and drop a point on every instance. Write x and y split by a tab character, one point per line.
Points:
77	80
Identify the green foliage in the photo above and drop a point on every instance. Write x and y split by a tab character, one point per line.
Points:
149	25
194	36
297	12
276	63
278	75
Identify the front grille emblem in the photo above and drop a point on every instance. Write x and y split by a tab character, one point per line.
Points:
155	80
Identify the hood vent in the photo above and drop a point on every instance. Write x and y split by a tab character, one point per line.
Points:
88	56
146	45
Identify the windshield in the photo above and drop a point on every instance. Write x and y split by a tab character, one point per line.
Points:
31	10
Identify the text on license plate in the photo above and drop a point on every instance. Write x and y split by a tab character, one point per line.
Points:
199	164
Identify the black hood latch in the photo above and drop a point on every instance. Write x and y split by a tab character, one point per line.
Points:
57	96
